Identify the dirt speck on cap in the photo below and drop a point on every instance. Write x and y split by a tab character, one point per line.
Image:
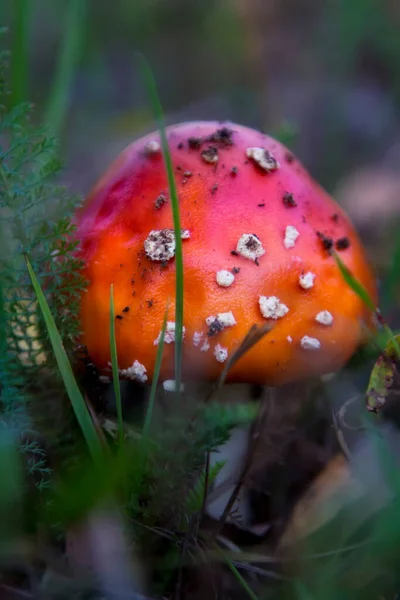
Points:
214	188
222	136
289	157
288	200
160	201
194	143
327	242
342	243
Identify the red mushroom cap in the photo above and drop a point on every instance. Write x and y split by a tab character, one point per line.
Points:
257	238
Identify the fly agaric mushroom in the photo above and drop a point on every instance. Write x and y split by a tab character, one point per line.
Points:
257	238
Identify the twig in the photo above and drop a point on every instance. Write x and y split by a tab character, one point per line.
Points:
254	335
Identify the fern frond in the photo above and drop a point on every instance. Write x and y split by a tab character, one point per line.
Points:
195	497
35	218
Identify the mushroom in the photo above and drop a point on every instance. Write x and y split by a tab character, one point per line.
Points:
250	209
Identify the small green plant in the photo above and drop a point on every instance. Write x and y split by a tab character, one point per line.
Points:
30	207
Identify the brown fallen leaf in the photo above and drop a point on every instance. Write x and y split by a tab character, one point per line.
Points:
359	485
321	502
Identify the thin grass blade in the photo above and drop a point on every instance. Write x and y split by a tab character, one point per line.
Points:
355	285
362	293
74	393
68	56
179	285
243	583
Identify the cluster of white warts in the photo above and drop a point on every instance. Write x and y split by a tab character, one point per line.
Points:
248	246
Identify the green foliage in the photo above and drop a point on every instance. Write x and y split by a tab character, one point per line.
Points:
195	499
30	204
173	467
382	376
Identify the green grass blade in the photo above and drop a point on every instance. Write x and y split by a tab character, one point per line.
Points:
157	368
158	112
74	393
355	285
20	51
68	56
115	370
362	293
242	582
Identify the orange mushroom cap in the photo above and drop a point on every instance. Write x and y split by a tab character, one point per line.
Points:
257	231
